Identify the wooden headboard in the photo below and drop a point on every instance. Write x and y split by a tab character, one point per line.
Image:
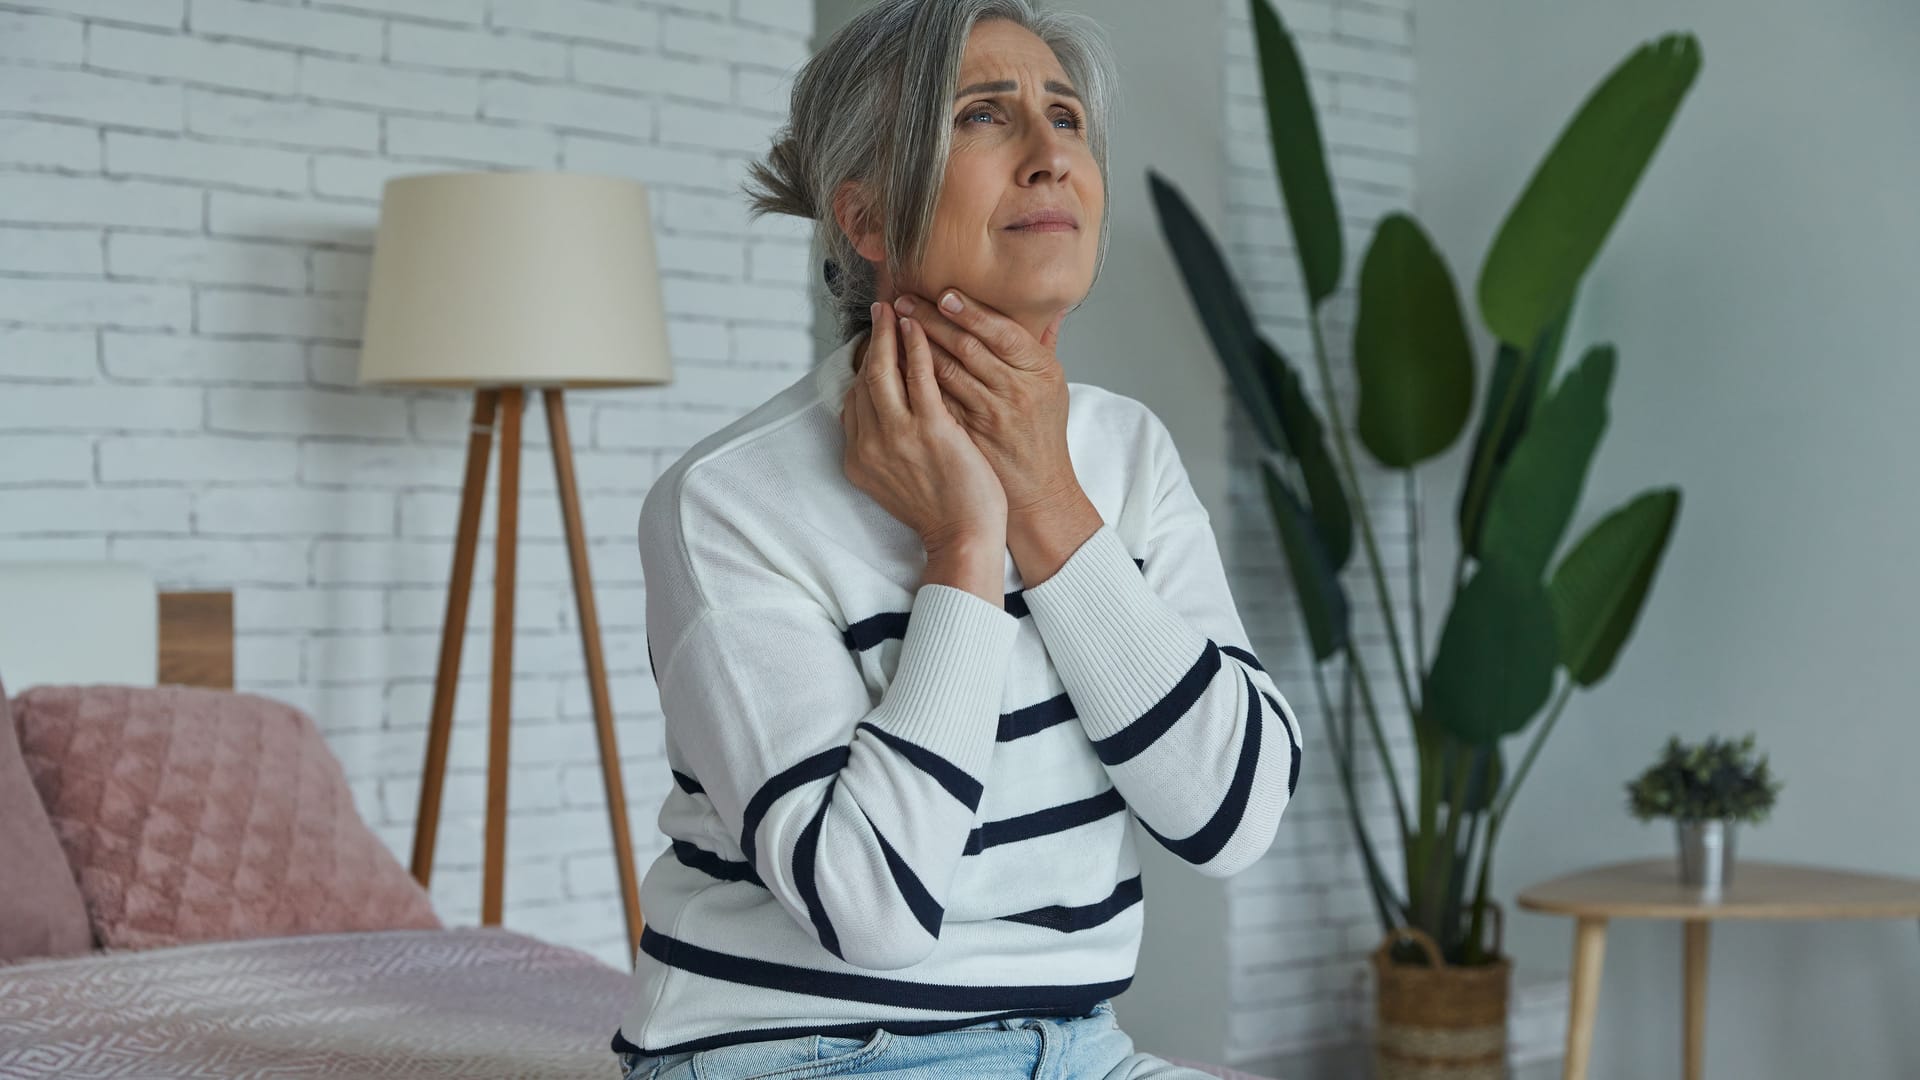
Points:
196	638
81	621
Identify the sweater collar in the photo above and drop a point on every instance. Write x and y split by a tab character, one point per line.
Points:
836	373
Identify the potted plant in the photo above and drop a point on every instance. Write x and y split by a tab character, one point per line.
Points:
1518	618
1706	789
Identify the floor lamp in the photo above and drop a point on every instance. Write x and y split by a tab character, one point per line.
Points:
508	282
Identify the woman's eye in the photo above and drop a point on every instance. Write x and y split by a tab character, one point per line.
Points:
1072	118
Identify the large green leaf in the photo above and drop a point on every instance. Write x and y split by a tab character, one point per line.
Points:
1299	157
1323	601
1600	587
1546	354
1223	310
1542	483
1263	380
1327	498
1557	227
1502	422
1486	772
1494	667
1410	348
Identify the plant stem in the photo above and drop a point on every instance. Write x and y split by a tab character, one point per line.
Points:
1380	742
1415	528
1506	798
1474	955
1339	426
1377	883
1357	497
1441	860
1533	750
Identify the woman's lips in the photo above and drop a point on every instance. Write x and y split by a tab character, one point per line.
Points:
1045	226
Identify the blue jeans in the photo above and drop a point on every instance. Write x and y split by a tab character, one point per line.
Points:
1090	1047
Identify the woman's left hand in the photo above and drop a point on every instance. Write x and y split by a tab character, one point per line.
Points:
1011	396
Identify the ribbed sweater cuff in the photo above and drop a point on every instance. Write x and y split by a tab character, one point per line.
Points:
1117	645
946	688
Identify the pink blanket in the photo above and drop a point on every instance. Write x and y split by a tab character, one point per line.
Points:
466	1002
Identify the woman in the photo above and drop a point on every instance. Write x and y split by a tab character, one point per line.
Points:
932	625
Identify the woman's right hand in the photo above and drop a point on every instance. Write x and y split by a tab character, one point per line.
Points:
907	451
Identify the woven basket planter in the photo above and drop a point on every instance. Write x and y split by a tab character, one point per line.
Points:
1440	1022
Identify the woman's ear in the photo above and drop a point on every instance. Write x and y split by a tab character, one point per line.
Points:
850	212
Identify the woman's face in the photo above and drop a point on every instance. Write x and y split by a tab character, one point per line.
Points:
1017	147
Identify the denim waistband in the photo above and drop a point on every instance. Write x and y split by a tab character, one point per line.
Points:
1015	1023
627	1050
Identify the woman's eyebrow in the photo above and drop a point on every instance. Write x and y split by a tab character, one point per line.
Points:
1009	86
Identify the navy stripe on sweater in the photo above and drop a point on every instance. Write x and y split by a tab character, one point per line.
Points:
858	1029
1068	918
956	780
1243	656
1293	771
1053	819
1031	719
1130	741
925	908
1043	822
1213	836
713	865
848	986
805	855
826	763
863	634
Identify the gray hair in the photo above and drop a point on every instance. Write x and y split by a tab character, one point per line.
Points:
872	106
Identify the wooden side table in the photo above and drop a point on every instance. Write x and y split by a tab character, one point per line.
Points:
1651	889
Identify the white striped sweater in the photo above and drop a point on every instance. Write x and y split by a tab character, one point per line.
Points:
899	804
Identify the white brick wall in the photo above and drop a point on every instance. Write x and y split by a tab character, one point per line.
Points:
1301	919
188	192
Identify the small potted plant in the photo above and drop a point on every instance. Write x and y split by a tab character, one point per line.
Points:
1706	789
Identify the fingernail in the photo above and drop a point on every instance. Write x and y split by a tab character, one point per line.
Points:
873	311
951	301
904	305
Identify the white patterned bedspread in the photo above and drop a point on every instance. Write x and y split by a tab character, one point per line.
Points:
463	1002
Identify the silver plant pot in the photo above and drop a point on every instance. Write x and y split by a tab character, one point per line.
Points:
1706	853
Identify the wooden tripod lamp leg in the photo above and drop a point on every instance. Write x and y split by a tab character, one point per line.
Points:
504	408
506	533
453	628
596	661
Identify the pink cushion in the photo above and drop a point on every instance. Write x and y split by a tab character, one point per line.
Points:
41	914
190	814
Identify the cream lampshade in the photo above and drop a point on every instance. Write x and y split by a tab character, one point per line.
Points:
504	281
515	279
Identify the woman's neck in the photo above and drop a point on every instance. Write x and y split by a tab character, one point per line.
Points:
860	351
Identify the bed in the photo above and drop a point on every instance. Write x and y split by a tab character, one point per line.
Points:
458	1002
414	1003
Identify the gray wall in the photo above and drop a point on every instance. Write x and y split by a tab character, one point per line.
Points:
1760	290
